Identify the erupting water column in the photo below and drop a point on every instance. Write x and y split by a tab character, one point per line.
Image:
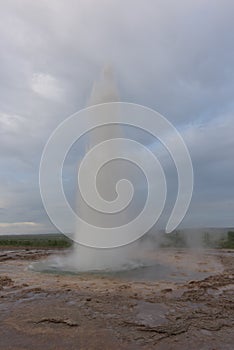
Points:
87	258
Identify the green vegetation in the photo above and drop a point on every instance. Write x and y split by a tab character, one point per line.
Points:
228	243
37	241
175	239
180	239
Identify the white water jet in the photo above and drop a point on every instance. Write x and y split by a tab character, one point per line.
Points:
82	258
85	258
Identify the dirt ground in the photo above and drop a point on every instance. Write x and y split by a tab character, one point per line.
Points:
62	311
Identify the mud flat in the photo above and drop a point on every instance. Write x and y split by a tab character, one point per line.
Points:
188	305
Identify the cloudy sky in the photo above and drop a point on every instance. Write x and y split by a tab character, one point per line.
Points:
176	57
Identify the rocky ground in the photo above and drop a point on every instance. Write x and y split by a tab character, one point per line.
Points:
61	311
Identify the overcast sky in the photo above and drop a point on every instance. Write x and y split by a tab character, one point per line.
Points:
176	57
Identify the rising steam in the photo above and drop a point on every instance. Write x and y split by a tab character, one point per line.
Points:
83	258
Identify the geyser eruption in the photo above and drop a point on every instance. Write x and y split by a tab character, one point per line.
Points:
87	258
106	182
84	258
105	89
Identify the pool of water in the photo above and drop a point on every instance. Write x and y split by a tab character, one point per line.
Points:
150	272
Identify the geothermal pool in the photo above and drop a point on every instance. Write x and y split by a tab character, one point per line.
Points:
166	265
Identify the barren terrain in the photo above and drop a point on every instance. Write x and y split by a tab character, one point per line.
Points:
88	311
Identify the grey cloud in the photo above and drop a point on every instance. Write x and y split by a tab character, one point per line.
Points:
176	57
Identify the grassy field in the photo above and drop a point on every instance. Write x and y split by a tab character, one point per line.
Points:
37	241
56	240
228	243
207	240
